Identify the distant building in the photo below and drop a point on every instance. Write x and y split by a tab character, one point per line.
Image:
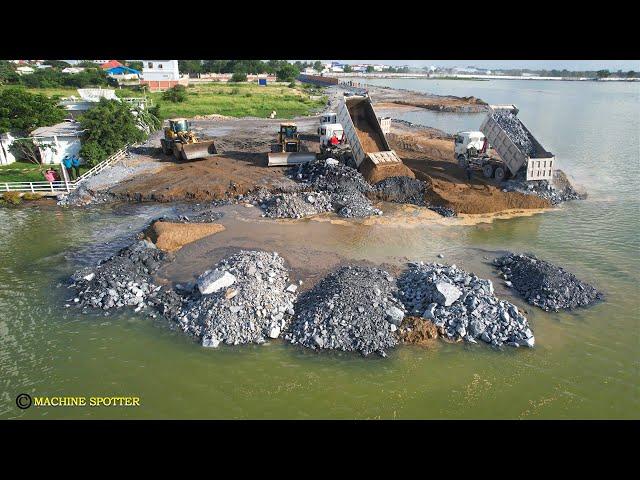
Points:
123	73
111	64
161	74
72	70
24	70
63	137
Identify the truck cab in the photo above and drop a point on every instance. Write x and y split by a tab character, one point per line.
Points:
327	130
469	144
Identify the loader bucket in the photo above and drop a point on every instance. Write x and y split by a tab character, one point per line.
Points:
277	159
192	151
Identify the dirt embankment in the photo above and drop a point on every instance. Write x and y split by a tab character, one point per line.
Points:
429	154
439	103
170	236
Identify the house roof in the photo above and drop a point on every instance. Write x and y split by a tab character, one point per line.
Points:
121	70
111	64
64	129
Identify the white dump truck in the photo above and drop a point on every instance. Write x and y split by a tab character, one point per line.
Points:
472	149
364	134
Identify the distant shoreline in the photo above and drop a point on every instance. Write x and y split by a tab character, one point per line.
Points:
424	76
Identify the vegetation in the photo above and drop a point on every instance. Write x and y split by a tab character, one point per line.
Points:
29	196
287	73
23	111
109	126
239	100
12	198
22	171
239	76
175	94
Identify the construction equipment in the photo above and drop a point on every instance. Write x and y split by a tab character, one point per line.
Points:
182	141
371	152
287	150
472	149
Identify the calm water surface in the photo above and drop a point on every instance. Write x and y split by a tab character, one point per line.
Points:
585	364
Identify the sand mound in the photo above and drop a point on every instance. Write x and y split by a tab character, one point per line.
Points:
418	331
170	236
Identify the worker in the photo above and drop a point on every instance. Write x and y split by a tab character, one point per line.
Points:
75	161
49	175
469	171
67	163
334	140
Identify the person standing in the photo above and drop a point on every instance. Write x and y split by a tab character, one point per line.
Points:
75	161
68	164
469	171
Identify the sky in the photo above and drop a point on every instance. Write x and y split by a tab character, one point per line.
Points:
612	65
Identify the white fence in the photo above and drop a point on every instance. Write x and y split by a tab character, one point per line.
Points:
62	186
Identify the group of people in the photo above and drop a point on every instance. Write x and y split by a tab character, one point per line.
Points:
71	163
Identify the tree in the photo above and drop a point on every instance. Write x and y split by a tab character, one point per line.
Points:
370	68
87	64
136	65
239	76
24	111
318	67
57	63
8	73
176	94
603	73
108	127
191	67
287	73
347	68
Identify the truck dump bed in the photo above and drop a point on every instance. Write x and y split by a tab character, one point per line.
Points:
539	165
363	131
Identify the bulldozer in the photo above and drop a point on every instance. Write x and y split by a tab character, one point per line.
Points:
287	150
182	141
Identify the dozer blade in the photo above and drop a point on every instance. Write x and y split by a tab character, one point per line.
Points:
192	151
285	158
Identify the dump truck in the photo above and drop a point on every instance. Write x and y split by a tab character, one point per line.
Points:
287	149
181	141
472	149
370	149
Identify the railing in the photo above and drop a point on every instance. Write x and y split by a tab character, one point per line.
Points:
62	186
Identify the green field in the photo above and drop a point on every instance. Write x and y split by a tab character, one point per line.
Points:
23	171
241	100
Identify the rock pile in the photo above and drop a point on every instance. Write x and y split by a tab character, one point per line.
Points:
515	130
246	298
351	309
545	285
345	185
297	205
444	211
402	190
122	280
558	191
462	306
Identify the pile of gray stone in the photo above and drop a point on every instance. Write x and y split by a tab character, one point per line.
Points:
402	190
297	205
515	130
462	305
444	211
346	186
245	298
124	280
545	285
351	309
558	191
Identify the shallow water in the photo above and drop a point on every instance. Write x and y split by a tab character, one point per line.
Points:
585	364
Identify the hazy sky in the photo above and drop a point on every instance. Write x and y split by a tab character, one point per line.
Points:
506	64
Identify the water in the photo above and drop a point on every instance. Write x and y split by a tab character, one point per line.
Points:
585	364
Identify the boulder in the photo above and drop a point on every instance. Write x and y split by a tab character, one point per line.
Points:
446	293
213	281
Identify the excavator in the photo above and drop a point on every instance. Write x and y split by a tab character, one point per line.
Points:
185	145
287	149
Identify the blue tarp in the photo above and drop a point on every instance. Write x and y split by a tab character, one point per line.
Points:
122	71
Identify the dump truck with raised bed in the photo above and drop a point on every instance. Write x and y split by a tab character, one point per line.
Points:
515	145
370	149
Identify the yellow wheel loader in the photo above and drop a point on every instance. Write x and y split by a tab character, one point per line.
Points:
287	150
185	145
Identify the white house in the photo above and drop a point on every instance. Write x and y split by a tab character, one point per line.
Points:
161	74
6	157
72	70
25	70
63	137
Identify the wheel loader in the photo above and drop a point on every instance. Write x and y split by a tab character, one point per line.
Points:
287	150
182	141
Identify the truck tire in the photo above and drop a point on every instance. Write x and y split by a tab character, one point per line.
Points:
487	170
500	174
166	148
462	161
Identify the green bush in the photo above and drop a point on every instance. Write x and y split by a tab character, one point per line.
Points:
234	91
175	94
31	196
239	77
12	198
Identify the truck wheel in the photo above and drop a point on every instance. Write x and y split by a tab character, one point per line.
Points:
462	161
487	171
166	149
500	174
